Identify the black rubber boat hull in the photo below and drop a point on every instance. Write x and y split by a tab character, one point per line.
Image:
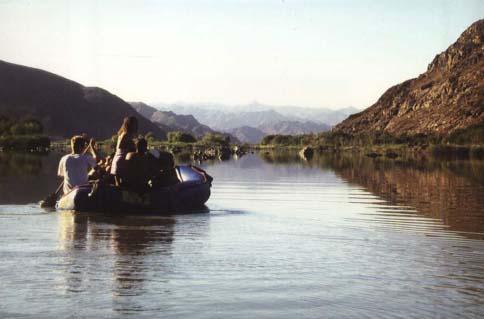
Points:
192	193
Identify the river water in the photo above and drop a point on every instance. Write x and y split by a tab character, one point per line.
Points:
339	236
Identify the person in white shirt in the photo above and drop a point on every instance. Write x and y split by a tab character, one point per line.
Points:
74	167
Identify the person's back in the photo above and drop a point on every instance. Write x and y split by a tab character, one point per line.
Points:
74	167
166	175
138	170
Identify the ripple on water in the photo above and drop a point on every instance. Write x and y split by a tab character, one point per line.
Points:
280	241
19	210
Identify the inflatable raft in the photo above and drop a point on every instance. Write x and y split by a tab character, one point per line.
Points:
191	193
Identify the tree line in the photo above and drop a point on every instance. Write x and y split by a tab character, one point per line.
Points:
22	135
473	135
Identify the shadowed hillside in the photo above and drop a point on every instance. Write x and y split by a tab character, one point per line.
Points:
64	107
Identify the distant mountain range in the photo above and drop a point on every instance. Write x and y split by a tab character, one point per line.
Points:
294	127
447	97
226	117
249	123
248	134
171	121
64	107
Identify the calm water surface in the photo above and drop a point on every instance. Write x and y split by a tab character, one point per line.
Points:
335	237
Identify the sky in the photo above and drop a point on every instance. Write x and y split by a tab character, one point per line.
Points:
331	54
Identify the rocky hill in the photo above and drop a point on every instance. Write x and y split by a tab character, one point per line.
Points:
447	97
63	106
144	109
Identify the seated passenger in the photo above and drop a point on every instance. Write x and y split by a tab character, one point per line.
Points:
124	145
74	167
138	170
166	171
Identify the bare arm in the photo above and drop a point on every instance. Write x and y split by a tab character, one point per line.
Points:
92	149
120	141
130	155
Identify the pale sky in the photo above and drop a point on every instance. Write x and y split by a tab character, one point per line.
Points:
307	53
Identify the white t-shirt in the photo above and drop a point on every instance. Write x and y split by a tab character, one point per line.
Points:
74	169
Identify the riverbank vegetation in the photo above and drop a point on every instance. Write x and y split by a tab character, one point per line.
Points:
24	135
459	144
178	139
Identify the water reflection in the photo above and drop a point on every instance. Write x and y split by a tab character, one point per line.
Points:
26	178
122	246
337	236
450	191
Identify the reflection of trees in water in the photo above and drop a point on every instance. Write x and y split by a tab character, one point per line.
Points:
27	178
135	246
448	190
283	156
19	164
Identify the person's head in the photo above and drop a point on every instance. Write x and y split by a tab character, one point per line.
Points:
130	126
141	146
78	144
166	160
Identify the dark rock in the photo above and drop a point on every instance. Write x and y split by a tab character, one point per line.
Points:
373	154
391	154
224	153
306	153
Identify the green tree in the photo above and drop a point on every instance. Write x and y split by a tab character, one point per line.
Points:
216	138
32	127
26	127
180	137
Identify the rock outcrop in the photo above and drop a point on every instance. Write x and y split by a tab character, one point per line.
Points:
447	97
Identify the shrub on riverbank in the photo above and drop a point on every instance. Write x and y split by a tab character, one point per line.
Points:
24	143
24	135
461	144
452	151
10	127
215	139
338	140
288	140
180	137
471	135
